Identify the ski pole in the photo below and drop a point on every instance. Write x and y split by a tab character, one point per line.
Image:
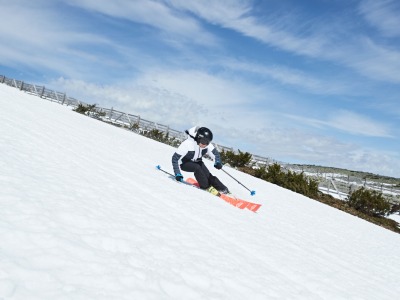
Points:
159	168
251	192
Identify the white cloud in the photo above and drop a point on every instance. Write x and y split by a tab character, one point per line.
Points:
337	45
358	124
150	102
202	87
176	97
295	145
383	15
348	122
296	78
236	15
155	14
374	61
378	162
35	37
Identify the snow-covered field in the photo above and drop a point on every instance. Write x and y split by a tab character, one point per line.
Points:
84	214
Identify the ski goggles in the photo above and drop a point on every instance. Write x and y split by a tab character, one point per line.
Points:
204	141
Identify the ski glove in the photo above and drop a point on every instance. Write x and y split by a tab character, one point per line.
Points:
218	165
179	177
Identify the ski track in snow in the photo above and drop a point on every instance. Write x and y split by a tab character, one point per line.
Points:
84	214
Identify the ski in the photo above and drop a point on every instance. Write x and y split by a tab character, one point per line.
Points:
239	203
242	204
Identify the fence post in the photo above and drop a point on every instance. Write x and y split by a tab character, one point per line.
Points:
111	112
41	94
129	120
65	96
22	86
335	187
56	94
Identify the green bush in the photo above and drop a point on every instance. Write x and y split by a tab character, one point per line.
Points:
236	160
155	134
159	136
296	182
82	109
85	109
89	110
395	209
134	127
369	202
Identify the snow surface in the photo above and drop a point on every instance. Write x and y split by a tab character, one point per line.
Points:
84	214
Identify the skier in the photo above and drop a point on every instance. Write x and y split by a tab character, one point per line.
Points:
190	153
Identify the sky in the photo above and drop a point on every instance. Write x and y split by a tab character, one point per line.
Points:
311	82
90	217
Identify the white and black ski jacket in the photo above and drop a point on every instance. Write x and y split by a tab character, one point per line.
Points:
189	150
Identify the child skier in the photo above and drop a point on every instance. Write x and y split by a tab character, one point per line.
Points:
190	154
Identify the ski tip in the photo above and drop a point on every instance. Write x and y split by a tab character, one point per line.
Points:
253	193
158	167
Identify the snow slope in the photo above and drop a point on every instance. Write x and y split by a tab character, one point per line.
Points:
84	214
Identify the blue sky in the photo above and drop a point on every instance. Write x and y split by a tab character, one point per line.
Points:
314	82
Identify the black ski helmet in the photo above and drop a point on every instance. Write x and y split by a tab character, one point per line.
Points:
203	136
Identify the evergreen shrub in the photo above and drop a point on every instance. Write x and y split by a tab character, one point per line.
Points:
242	159
296	182
369	202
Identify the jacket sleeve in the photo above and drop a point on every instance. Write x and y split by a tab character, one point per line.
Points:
175	163
213	153
217	156
180	153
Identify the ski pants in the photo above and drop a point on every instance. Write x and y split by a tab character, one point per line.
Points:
203	175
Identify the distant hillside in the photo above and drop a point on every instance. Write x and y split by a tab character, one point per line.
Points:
367	175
